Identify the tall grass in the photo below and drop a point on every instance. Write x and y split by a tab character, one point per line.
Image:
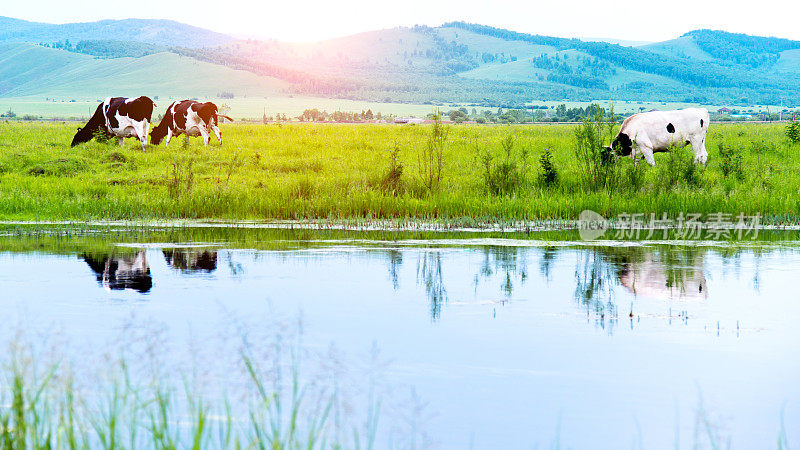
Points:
44	409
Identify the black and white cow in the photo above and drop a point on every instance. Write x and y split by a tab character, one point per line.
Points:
658	131
120	117
191	118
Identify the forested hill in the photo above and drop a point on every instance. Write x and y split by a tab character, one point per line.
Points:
162	32
754	51
490	66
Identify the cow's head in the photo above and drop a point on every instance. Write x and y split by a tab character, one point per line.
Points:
159	132
622	145
84	134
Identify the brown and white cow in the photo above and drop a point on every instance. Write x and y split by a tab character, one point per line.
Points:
658	131
191	118
120	117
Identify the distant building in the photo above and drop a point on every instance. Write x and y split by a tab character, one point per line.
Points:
724	111
408	120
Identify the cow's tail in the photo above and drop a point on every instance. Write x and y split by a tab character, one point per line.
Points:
225	117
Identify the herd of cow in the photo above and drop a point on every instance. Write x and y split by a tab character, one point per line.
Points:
130	117
643	133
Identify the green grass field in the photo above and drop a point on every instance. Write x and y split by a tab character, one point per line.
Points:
339	172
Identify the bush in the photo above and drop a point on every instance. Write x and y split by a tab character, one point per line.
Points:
507	174
548	175
431	158
793	131
731	160
392	181
634	173
678	168
596	161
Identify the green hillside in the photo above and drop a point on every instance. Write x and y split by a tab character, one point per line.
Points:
28	70
161	32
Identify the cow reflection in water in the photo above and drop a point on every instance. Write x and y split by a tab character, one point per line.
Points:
678	275
191	260
662	274
120	272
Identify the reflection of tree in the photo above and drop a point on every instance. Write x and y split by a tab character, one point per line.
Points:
395	259
546	262
506	260
594	281
429	273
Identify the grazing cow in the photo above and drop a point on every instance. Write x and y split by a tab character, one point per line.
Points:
121	272
191	118
120	117
658	131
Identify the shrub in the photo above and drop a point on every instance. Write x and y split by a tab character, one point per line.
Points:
431	158
548	175
731	160
392	181
633	173
596	161
678	168
793	131
505	175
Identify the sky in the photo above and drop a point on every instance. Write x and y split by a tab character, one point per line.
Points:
311	20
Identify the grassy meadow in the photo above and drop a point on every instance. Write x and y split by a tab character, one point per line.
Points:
340	172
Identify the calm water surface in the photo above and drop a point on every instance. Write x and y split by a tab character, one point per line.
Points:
508	343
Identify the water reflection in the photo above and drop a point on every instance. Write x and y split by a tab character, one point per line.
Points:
121	271
600	275
508	262
662	273
191	260
677	274
430	275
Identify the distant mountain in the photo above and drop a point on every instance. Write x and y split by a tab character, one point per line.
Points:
491	66
33	70
161	32
455	62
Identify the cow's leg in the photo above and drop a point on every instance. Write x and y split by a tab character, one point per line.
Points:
121	141
700	152
205	135
143	131
647	152
218	134
169	135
